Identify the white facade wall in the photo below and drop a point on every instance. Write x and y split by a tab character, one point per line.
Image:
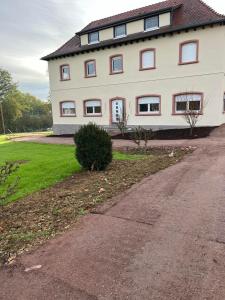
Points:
167	79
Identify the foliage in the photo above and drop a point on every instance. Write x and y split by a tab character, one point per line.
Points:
5	172
94	147
140	134
6	84
23	112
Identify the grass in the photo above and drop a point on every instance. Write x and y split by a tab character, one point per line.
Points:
42	215
43	165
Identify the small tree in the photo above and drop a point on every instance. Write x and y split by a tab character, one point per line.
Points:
94	147
122	124
140	134
192	112
5	172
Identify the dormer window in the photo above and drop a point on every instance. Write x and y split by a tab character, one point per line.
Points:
93	37
120	31
151	23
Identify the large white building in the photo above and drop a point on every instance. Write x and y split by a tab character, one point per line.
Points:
147	65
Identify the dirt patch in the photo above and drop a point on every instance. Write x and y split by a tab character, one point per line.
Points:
173	134
32	220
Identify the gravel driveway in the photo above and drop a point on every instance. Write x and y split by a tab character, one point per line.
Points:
162	239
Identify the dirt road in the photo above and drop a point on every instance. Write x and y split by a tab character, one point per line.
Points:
163	239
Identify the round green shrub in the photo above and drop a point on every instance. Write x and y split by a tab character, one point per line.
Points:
94	147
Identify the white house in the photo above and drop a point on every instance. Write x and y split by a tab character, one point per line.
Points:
147	65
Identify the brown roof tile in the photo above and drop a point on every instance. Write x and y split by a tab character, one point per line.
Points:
190	13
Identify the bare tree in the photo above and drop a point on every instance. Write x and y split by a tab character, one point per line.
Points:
192	106
140	134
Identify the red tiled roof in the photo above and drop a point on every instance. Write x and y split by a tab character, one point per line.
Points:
187	13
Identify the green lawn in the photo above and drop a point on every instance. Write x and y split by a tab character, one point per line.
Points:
42	165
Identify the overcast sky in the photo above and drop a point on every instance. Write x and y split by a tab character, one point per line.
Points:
31	29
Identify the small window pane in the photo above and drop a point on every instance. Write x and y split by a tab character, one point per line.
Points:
189	52
89	110
152	23
148	59
117	64
90	68
97	109
154	107
181	106
65	72
194	105
93	37
68	108
120	30
143	107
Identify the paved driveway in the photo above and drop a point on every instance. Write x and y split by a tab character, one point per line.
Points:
164	239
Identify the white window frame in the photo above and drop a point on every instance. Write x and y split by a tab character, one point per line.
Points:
188	97
69	114
112	58
91	61
62	74
182	59
149	100
89	40
142	52
122	35
151	28
92	103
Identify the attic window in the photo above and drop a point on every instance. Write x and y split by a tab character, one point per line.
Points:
120	31
151	23
93	37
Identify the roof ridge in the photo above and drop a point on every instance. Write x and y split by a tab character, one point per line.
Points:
135	9
210	8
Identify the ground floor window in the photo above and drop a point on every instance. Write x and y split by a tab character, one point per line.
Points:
148	105
92	107
67	108
188	102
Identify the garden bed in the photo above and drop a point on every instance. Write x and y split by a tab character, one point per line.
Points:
172	134
44	214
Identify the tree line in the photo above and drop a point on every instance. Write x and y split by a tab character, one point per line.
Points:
21	112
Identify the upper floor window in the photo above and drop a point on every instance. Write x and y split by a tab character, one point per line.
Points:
120	31
90	68
65	72
188	102
148	105
116	64
93	37
151	23
93	107
189	52
67	108
147	59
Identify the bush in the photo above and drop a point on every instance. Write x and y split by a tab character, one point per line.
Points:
94	147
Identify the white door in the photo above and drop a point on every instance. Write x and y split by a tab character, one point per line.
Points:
117	110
